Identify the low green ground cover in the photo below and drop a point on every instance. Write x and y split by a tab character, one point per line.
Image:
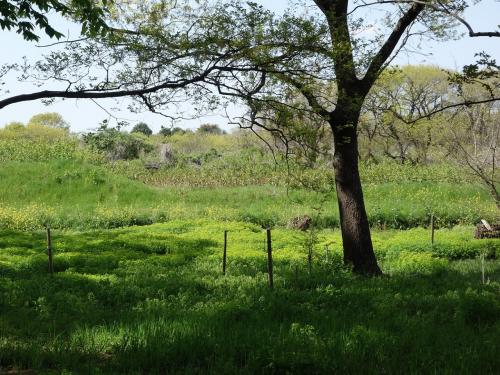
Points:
152	299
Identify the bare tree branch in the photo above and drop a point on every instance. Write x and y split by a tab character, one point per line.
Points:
391	42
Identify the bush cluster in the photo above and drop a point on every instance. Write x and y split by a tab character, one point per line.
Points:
117	145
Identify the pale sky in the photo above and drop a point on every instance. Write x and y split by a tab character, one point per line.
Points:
84	115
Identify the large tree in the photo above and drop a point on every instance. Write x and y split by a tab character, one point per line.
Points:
353	65
163	52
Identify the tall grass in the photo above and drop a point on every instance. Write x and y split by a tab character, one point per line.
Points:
75	194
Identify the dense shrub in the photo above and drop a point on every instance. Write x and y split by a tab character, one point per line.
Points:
115	144
210	129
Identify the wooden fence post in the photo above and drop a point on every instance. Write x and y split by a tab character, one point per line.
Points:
432	229
269	258
49	251
224	257
309	260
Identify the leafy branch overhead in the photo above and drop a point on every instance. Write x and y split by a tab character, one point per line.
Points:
25	16
154	50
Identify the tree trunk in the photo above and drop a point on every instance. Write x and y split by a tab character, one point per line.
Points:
357	243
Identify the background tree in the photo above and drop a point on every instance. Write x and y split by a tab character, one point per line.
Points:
210	129
49	119
35	131
473	141
14	126
408	114
143	128
398	97
168	131
475	145
165	131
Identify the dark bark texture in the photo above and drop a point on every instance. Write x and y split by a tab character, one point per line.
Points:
356	237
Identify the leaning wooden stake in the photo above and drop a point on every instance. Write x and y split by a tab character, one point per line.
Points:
224	257
432	229
49	251
486	225
482	268
270	258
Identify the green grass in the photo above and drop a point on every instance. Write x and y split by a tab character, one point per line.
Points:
74	194
152	299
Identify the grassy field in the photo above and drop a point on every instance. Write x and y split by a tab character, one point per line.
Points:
138	286
152	299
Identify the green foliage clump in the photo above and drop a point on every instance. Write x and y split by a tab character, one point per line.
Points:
142	128
419	263
34	131
36	142
116	144
24	16
41	143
